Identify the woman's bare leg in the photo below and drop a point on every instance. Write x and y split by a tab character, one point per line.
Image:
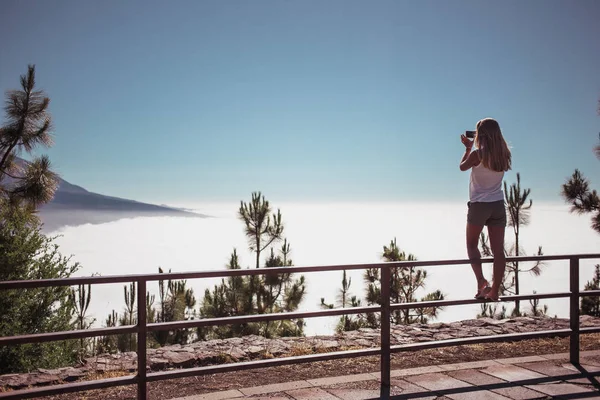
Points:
496	234
473	232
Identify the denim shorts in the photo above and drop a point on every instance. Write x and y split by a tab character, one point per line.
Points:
487	213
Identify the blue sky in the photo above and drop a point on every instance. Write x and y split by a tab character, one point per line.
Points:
307	100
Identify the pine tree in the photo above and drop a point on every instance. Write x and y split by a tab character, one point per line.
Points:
109	344
25	253
274	292
576	191
590	305
27	127
583	200
177	303
344	300
258	294
405	282
261	230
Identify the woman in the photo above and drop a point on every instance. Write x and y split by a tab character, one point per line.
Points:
487	162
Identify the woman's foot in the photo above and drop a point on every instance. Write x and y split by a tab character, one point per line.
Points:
484	289
489	296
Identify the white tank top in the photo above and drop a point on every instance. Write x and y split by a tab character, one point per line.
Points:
485	185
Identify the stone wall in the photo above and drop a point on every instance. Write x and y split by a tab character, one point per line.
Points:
255	347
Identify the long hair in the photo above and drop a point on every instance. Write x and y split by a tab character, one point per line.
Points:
493	150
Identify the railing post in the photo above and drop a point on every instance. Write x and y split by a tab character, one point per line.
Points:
574	310
385	332
141	340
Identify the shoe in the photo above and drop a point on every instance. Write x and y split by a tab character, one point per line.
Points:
491	298
483	291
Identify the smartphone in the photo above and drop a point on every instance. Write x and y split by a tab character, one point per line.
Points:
470	134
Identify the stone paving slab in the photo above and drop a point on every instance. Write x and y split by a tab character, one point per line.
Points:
437	381
403	387
546	368
477	395
341	379
520	360
267	398
468	365
520	393
586	367
559	388
311	394
557	356
415	371
589	353
441	382
591	360
478	378
592	380
353	394
226	394
511	373
274	388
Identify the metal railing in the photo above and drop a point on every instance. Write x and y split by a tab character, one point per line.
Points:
384	351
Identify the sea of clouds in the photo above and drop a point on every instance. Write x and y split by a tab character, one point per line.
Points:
324	234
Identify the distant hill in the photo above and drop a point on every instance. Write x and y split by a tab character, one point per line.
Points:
73	205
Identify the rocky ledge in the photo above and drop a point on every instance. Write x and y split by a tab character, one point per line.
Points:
255	347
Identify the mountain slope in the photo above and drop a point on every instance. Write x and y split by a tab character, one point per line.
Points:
74	205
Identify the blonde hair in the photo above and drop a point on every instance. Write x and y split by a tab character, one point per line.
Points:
493	150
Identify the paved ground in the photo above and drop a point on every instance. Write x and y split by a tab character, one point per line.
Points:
537	377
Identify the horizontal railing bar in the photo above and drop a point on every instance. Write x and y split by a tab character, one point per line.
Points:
589	293
68	388
332	312
509	337
447	303
590	329
64	335
175	276
23	284
273	362
162	326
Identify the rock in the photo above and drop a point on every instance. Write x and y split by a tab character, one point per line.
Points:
71	374
363	343
237	354
42	379
14	381
443	336
49	371
327	344
172	347
179	359
255	350
106	367
206	357
157	363
483	332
